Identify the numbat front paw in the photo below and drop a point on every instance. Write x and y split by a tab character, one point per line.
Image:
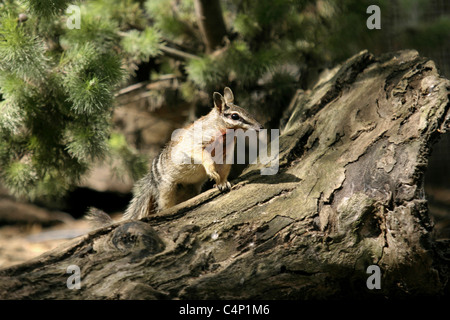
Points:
223	186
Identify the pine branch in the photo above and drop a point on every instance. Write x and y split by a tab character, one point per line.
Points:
178	54
169	51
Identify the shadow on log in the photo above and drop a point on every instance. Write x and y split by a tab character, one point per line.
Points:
348	195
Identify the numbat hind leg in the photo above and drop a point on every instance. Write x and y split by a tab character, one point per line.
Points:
167	196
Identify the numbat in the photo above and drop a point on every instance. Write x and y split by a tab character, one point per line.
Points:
187	161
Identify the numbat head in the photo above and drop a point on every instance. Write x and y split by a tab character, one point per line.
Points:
233	116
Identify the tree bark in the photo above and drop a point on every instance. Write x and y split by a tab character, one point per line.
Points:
210	22
348	195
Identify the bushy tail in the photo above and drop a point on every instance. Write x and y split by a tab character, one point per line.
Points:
98	218
141	205
143	202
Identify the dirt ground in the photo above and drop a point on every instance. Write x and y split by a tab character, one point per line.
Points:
21	243
27	230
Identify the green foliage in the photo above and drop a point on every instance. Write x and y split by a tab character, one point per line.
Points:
18	176
57	89
249	66
128	14
11	117
142	45
205	72
99	32
47	8
56	104
88	86
246	26
87	143
176	21
21	54
189	91
267	36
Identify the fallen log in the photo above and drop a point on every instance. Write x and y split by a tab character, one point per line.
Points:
344	216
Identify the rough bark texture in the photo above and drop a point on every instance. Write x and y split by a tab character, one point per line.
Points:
348	195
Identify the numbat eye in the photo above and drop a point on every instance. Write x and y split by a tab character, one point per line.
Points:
235	116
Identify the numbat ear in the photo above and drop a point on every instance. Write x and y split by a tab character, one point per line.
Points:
219	102
228	95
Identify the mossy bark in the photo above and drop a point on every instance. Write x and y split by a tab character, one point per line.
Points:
348	194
